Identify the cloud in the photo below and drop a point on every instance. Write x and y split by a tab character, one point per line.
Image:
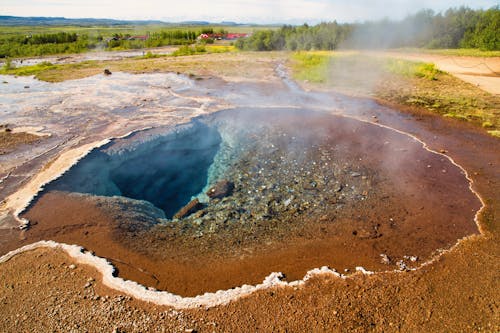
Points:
259	11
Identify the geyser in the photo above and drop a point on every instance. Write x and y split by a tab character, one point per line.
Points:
280	190
165	167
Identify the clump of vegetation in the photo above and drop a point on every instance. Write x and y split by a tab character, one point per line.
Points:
412	69
27	70
149	55
220	48
311	66
189	50
8	65
495	133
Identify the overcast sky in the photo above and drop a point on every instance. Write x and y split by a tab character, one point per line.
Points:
258	11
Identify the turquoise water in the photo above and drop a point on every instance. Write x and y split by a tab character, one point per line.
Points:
166	169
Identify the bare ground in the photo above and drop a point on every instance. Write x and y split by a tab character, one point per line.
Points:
40	291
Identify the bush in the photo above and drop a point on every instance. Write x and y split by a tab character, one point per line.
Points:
8	65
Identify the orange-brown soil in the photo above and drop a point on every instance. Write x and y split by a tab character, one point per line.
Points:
457	293
418	212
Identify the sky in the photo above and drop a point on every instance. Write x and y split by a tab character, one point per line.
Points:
242	11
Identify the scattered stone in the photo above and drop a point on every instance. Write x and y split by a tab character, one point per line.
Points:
192	207
411	258
355	174
107	72
26	87
222	189
402	266
25	225
385	259
72	266
87	285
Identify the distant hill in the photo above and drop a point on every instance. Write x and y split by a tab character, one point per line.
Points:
62	21
58	21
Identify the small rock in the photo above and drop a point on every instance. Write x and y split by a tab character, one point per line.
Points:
385	259
222	189
411	258
401	265
192	207
107	72
26	87
72	266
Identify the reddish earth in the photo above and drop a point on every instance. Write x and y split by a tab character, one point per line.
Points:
457	293
418	204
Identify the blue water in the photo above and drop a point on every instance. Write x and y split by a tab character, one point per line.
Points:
166	170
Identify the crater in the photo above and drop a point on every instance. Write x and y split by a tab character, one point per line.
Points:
230	197
164	167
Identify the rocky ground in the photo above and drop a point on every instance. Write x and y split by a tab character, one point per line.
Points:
44	290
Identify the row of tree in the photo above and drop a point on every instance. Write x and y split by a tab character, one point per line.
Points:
462	27
455	28
13	46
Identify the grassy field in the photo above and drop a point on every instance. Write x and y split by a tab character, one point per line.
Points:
22	42
453	52
124	29
403	82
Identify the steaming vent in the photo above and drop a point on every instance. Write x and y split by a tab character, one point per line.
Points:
228	198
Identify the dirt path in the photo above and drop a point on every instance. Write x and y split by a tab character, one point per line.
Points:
483	72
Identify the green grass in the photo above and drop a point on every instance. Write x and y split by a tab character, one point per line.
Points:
454	52
149	55
315	66
412	69
15	44
187	50
402	82
220	48
311	66
495	133
27	70
123	29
